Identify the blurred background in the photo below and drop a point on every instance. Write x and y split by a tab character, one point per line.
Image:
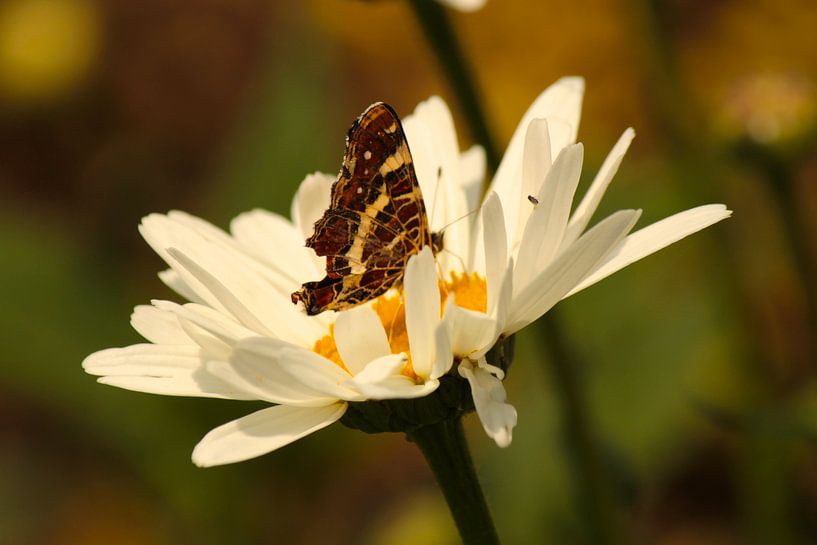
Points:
697	365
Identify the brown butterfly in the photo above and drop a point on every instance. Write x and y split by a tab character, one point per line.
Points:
376	219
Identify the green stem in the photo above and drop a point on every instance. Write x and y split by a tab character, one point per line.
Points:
438	31
445	449
594	493
780	179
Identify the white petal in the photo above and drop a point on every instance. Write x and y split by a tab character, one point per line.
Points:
263	291
562	133
567	270
143	359
438	155
468	331
536	157
252	301
498	418
435	151
472	175
556	198
546	225
211	345
307	367
504	299
445	357
220	325
160	369
219	294
174	281
158	326
382	379
584	212
255	366
536	162
654	237
203	227
310	202
380	369
262	432
212	330
496	247
271	237
317	372
360	338
397	387
562	100
198	383
422	295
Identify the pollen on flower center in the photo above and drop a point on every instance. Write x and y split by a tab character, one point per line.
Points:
469	292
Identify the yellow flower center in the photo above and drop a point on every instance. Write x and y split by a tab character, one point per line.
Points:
469	291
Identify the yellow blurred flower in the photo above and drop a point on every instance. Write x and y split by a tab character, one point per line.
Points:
46	47
770	107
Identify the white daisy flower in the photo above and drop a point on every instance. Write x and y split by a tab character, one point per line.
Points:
240	337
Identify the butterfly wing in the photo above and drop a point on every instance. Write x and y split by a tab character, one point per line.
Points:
376	219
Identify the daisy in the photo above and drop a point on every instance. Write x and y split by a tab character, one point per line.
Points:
239	336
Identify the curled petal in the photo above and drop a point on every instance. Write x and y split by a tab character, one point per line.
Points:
382	379
498	417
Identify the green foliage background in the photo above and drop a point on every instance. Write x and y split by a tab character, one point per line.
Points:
698	364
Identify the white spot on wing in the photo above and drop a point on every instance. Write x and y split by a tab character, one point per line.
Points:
367	155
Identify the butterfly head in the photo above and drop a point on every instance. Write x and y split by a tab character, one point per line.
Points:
437	242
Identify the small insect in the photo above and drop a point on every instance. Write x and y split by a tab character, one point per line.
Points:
376	219
533	200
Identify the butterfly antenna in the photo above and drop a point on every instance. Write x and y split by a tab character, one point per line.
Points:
434	198
459	258
452	222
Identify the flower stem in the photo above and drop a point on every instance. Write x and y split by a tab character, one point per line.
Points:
594	494
445	449
781	181
438	31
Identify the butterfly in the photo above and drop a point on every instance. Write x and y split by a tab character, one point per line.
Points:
376	219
